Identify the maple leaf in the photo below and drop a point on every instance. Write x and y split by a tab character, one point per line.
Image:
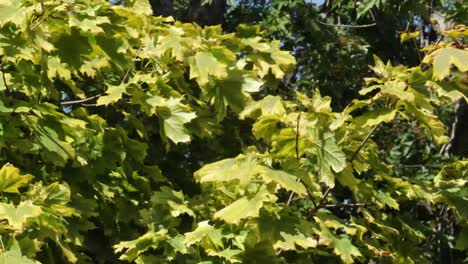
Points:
17	216
11	179
444	58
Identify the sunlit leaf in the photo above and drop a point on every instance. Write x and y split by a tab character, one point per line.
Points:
11	179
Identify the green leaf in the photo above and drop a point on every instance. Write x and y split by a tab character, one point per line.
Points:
398	89
341	245
205	64
346	250
91	25
240	168
143	7
266	128
17	216
174	200
114	93
55	196
49	138
462	240
56	68
431	123
174	43
255	43
290	241
227	254
375	117
387	199
243	207
444	58
11	179
14	256
135	248
209	236
232	92
12	11
368	6
284	179
405	36
174	116
329	156
270	105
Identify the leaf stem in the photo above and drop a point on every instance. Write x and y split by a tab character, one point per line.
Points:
364	142
291	195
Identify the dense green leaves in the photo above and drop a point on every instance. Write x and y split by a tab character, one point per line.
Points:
146	140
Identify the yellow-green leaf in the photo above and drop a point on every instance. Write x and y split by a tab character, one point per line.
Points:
444	58
205	64
284	179
243	208
17	216
11	179
114	93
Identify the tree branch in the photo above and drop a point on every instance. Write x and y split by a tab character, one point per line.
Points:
346	26
96	96
80	101
347	205
42	21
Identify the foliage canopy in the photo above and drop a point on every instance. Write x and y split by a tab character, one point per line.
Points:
106	112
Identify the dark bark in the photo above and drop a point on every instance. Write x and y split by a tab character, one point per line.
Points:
208	14
162	8
204	15
458	144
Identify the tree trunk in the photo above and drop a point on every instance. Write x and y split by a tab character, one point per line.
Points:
458	144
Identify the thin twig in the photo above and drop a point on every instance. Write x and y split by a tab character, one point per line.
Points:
134	57
322	200
442	37
363	142
80	101
410	166
42	21
417	50
346	26
347	205
297	135
96	96
291	195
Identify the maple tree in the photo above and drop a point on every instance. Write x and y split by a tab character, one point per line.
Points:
129	137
